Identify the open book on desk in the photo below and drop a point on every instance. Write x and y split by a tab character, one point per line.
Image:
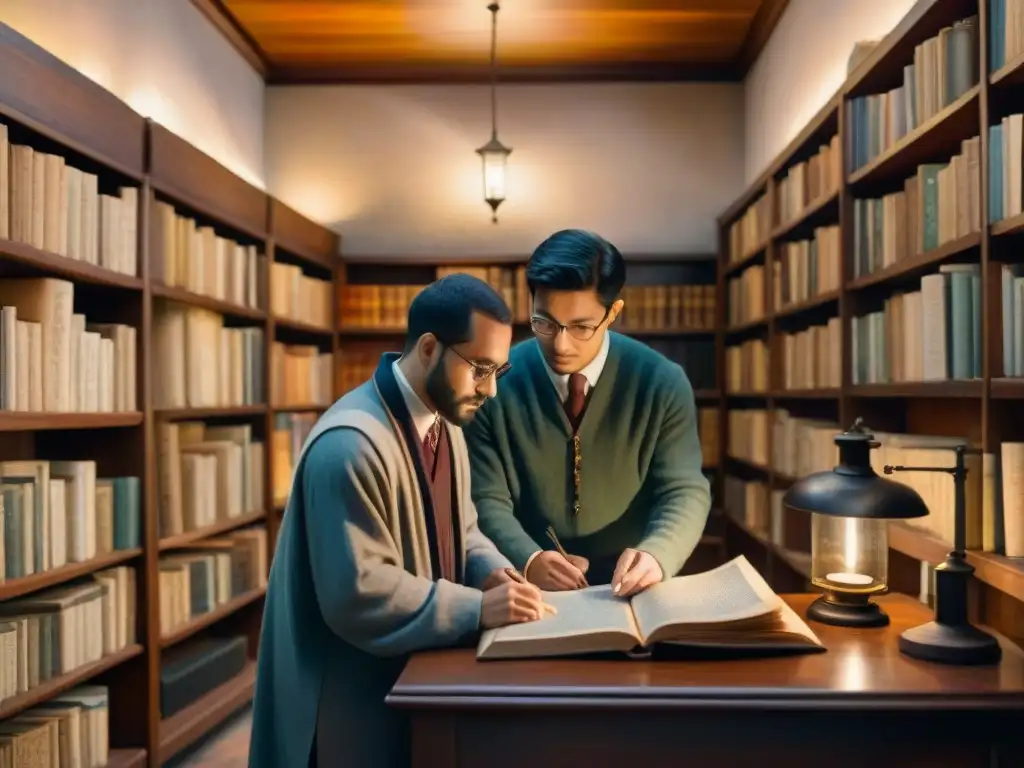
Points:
729	609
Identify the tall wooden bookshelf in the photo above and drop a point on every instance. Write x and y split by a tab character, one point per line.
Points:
147	193
906	387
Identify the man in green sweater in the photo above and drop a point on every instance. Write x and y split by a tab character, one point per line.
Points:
590	446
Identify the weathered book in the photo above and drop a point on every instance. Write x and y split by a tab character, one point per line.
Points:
727	611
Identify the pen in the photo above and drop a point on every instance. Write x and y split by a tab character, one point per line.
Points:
518	577
561	549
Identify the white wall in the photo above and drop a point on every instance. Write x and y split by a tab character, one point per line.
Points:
165	60
393	169
803	65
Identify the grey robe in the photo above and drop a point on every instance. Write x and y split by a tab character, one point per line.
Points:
351	592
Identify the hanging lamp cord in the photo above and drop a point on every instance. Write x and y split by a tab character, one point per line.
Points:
493	8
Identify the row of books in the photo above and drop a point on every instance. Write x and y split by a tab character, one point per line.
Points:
667	308
509	281
53	360
804	269
300	375
707	431
930	334
297	296
198	362
1006	32
943	68
207	474
1005	176
646	307
752	230
193	256
48	203
809	181
801	446
811	358
56	631
748	435
59	512
209	574
290	433
746	296
746	366
70	729
939	204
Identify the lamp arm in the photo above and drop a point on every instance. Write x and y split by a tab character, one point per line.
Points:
959	473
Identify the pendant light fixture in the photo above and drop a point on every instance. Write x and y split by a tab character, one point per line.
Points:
494	154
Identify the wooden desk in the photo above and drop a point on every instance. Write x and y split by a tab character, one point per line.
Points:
860	705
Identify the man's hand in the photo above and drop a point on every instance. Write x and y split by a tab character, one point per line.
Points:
634	572
511	602
496	578
552	572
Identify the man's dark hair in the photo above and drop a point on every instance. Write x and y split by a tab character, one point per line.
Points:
575	259
445	308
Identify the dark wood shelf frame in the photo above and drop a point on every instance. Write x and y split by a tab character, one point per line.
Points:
963	407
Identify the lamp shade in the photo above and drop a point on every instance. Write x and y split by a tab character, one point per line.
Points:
853	488
494	155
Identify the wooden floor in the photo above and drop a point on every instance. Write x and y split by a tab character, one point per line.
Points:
228	747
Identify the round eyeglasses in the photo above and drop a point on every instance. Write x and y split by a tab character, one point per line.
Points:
482	371
579	331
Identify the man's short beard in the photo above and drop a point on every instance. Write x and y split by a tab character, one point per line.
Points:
441	393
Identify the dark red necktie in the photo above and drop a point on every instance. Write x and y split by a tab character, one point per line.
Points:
430	441
577	397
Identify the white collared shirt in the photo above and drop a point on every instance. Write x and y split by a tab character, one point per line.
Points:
591	371
422	417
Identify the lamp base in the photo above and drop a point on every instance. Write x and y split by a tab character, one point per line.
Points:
863	613
944	644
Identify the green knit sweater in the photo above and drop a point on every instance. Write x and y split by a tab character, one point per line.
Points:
641	483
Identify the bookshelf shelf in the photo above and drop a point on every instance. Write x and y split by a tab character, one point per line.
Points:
295	325
380	332
208	619
806	394
36	262
33	583
299	408
127	758
971	389
1007	389
207	302
215	412
813	304
181	540
1010	74
1010	226
914	266
58	685
980	409
28	421
748	259
823	211
192	723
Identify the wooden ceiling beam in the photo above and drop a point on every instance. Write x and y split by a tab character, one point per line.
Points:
435	73
761	28
225	23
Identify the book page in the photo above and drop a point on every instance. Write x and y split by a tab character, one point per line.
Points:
733	592
590	619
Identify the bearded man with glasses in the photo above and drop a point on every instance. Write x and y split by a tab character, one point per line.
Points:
379	553
587	465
